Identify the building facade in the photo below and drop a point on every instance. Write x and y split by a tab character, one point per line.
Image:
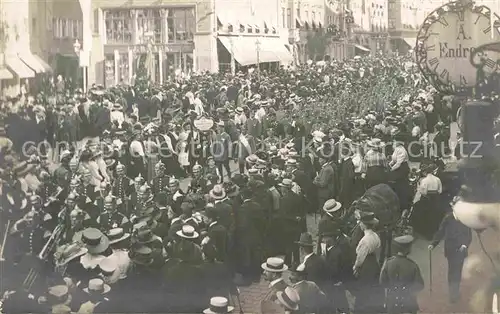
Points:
22	64
370	26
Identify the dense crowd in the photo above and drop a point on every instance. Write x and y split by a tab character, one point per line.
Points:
100	219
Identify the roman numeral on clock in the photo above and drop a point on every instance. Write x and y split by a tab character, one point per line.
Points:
490	63
461	16
487	30
430	48
463	81
445	75
434	62
443	21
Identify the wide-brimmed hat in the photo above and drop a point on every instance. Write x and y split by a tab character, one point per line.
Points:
331	206
58	295
109	265
291	162
289	298
274	265
305	239
97	286
252	159
117	106
144	236
366	217
61	309
219	305
217	192
95	241
287	183
116	235
375	143
188	232
70	252
142	255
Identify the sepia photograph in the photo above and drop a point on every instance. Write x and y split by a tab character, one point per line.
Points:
249	156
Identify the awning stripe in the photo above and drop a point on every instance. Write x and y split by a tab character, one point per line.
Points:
412	42
363	48
5	74
42	62
18	67
30	61
247	51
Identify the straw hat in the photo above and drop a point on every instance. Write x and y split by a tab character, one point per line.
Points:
97	286
219	305
116	235
217	192
331	206
289	298
188	232
375	143
274	265
95	241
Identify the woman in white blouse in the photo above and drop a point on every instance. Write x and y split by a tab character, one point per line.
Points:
400	171
357	161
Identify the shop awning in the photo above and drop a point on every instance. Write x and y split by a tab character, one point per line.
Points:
252	50
298	23
18	67
5	74
412	42
32	62
44	64
362	48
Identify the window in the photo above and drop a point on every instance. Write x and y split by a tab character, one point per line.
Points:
313	16
392	6
64	28
118	26
123	68
392	23
283	17
149	26
298	13
288	18
307	16
75	32
184	23
319	18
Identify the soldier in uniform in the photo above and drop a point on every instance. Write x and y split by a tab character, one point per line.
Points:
198	182
176	196
134	196
159	184
46	188
111	218
122	188
401	278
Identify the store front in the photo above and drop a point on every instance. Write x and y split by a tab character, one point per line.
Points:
157	41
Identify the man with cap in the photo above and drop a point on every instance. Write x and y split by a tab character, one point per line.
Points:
110	217
273	270
159	184
314	265
339	260
311	298
217	236
63	173
332	217
326	180
401	278
221	150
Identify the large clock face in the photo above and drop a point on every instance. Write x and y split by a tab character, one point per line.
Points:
446	44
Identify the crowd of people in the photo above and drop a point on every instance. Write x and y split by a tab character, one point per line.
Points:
166	198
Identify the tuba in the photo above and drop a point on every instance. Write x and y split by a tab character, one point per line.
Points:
42	257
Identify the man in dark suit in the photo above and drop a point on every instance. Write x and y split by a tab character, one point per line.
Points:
457	238
217	236
339	260
326	180
312	299
314	265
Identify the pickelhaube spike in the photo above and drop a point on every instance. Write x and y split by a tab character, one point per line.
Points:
109	198
160	165
139	179
120	167
71	197
173	181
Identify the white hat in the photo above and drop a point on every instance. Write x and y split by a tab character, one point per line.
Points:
274	265
187	232
219	305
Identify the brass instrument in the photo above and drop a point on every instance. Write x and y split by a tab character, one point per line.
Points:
42	256
54	197
2	248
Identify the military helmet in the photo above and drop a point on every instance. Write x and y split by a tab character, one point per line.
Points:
35	199
145	189
159	166
120	168
108	199
139	179
71	197
173	181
